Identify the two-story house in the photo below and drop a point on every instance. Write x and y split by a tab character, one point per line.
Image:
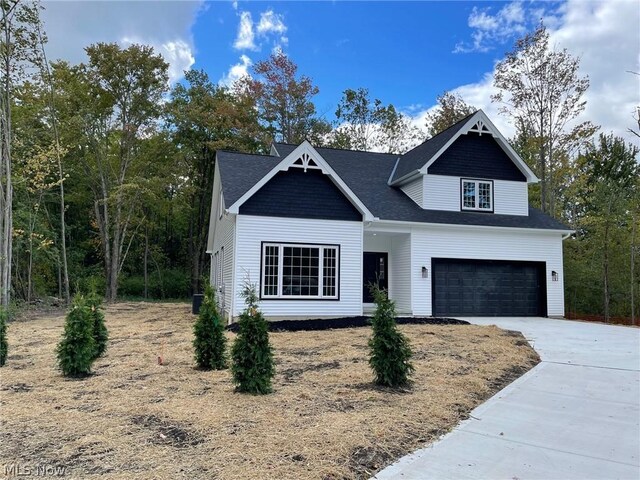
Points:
446	228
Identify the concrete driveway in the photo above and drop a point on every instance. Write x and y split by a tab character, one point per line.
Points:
574	416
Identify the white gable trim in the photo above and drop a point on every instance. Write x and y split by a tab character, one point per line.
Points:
480	123
306	157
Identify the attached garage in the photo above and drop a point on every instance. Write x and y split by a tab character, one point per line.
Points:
491	288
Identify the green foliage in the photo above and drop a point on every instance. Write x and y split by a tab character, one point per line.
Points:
283	99
252	355
365	124
389	350
100	332
76	350
4	345
210	342
450	110
171	283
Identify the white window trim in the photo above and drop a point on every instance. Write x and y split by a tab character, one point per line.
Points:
477	183
280	295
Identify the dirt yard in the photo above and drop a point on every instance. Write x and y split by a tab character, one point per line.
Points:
325	420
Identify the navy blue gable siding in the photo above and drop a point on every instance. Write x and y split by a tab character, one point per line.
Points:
299	194
477	156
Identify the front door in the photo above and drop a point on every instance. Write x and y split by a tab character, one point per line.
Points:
375	268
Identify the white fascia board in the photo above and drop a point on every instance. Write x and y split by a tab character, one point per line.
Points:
406	178
401	223
515	158
305	147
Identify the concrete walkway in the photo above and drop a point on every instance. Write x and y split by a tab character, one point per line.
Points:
574	416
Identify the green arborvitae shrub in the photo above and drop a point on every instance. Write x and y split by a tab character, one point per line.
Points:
210	343
389	350
4	346
100	332
252	354
76	350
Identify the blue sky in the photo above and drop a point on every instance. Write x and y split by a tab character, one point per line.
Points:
405	53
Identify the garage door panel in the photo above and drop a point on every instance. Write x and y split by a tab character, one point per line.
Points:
488	288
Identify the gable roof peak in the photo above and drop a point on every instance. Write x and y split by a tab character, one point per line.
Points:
418	160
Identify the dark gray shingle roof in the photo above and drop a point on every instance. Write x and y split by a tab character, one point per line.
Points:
367	174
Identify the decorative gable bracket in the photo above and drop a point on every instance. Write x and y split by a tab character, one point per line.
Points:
480	127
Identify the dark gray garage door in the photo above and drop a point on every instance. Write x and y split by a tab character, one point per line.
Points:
488	288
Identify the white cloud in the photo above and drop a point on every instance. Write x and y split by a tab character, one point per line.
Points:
246	36
271	22
605	35
180	57
489	30
236	72
270	27
165	25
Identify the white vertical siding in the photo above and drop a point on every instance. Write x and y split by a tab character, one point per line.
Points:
222	235
251	231
510	198
485	244
400	260
414	190
441	192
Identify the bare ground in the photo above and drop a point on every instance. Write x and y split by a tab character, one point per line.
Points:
136	419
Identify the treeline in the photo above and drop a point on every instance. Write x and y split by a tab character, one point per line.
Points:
107	170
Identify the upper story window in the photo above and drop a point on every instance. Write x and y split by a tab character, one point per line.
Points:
298	271
477	195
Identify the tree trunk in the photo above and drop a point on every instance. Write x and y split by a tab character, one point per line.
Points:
56	136
146	263
6	187
633	264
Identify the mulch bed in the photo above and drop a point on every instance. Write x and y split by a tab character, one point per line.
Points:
318	324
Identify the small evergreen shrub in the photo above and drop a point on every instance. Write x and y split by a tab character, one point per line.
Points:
389	350
100	332
76	350
210	342
4	345
252	354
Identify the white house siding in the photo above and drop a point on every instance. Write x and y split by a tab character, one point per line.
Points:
510	198
486	244
251	231
400	263
441	192
414	190
222	235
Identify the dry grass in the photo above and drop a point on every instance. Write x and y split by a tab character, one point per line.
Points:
136	419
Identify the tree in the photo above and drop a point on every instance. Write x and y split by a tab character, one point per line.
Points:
284	100
19	51
76	350
202	118
365	124
210	342
4	345
389	350
540	89
100	332
608	198
450	109
252	355
113	102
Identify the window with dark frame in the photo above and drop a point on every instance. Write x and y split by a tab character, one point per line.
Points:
477	195
299	271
